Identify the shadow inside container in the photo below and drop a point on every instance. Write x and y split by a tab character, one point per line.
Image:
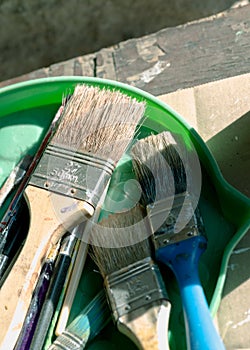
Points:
231	149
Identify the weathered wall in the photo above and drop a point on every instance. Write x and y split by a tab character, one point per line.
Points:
36	33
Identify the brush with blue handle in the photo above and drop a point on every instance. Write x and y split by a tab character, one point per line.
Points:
178	231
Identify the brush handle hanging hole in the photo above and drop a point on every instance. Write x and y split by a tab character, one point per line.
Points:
148	297
73	191
170	220
46	184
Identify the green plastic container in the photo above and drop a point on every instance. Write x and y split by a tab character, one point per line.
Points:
25	114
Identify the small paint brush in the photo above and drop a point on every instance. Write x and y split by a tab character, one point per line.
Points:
134	286
15	177
54	291
72	288
178	231
86	326
30	322
51	331
14	233
23	177
76	273
66	186
9	238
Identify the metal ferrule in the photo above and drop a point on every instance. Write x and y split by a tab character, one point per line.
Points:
68	340
4	259
3	238
134	286
68	245
173	219
73	174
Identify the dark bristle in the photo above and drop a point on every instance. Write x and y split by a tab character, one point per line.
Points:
99	121
120	240
158	167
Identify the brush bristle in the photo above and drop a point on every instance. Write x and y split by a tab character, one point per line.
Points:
99	121
158	167
120	240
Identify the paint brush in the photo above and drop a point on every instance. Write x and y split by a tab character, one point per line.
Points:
15	177
23	177
55	288
85	326
134	286
30	322
162	170
10	238
72	288
14	233
48	287
66	185
51	331
76	273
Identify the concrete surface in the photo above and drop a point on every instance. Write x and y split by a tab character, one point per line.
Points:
37	33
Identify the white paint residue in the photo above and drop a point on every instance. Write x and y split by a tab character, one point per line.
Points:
242	250
162	326
149	74
229	323
246	320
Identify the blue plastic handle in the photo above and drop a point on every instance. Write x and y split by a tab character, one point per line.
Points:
183	258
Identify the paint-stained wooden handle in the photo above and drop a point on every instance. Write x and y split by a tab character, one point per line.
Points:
51	216
148	327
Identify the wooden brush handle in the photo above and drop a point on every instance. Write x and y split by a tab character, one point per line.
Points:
148	327
44	231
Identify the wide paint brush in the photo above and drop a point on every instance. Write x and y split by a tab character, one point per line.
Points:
163	170
66	186
134	286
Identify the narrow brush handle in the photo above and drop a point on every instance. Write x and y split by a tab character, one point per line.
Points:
51	301
35	307
72	287
44	231
147	327
51	332
183	257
